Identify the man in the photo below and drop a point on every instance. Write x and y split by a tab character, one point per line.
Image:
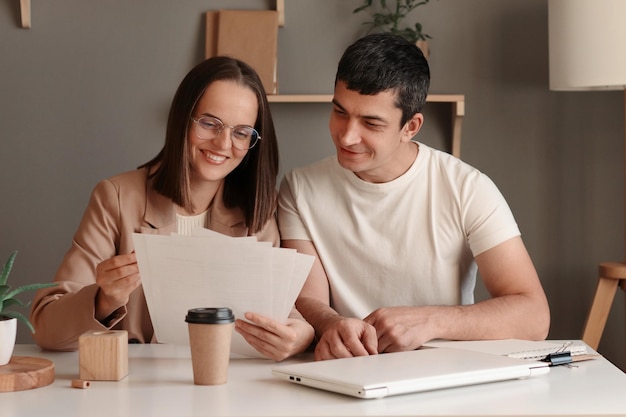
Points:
399	230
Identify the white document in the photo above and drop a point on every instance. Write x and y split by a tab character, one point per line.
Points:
208	269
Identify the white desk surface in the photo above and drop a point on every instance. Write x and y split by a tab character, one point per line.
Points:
160	384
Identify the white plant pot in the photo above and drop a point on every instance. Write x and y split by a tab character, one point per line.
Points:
8	332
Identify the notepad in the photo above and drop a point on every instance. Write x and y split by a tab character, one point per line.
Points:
515	348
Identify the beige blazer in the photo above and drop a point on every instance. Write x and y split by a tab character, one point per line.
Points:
118	207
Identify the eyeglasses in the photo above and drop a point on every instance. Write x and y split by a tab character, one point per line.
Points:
243	137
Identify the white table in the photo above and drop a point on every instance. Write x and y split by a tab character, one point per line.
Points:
160	384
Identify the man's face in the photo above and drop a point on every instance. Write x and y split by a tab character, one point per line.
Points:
367	134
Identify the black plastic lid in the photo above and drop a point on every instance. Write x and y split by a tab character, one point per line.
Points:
210	315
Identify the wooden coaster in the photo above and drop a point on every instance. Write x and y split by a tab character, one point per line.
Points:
24	372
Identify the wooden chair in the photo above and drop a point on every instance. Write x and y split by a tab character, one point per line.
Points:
611	275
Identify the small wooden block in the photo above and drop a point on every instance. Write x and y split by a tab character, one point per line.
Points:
80	383
103	355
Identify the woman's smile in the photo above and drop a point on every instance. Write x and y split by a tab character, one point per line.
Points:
212	157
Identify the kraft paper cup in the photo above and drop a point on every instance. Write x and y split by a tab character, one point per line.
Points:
210	333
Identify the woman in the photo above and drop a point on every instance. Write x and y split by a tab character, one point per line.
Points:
218	170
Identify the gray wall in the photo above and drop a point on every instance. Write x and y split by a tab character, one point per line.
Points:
84	95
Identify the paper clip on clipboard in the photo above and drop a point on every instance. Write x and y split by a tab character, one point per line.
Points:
564	358
558	358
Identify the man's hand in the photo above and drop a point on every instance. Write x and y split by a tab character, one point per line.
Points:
399	328
273	339
346	337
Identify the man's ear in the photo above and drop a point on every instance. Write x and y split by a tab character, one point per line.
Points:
413	126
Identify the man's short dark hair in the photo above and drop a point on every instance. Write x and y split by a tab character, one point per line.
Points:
381	62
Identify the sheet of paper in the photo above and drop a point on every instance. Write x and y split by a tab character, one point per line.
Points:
289	263
302	267
182	272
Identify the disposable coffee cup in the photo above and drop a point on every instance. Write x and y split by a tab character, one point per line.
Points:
210	332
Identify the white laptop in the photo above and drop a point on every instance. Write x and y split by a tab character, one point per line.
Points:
397	373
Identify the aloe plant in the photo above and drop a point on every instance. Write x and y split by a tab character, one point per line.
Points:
7	295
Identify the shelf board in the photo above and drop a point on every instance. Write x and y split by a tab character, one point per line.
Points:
457	101
299	98
321	98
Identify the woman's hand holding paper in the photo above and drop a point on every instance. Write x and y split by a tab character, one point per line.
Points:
117	277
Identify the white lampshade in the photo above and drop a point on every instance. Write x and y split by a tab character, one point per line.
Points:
587	44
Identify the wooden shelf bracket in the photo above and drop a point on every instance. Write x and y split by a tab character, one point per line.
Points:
25	13
280	8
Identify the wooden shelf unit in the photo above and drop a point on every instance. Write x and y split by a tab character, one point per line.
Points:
457	101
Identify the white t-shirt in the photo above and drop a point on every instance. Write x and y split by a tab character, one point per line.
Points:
407	242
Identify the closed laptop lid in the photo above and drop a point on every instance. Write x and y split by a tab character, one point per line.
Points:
425	369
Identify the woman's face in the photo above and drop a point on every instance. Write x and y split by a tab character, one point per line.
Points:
235	105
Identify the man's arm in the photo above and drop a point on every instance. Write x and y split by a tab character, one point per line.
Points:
518	307
338	336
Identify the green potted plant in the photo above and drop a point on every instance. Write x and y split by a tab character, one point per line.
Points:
387	16
8	316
